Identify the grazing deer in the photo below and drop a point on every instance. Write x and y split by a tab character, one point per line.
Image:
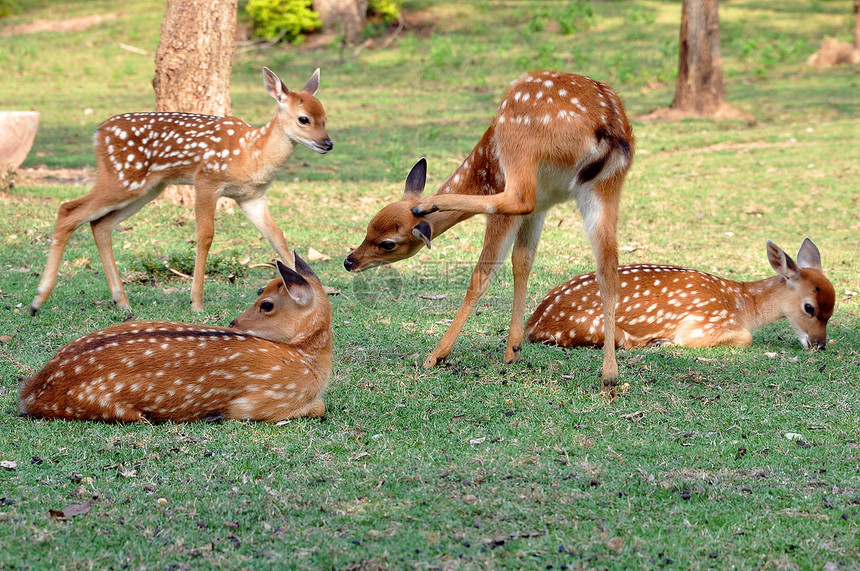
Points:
555	137
669	305
273	363
139	154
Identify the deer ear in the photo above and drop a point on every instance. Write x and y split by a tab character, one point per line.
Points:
422	231
808	255
302	267
274	85
313	84
782	262
298	287
416	179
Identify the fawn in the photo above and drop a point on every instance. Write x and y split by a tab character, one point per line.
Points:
670	305
555	137
272	363
139	154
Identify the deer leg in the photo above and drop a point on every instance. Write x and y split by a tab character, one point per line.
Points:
686	337
314	409
499	234
204	217
522	258
601	221
71	215
259	406
518	198
103	228
257	211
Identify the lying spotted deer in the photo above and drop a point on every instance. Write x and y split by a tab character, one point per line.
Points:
273	363
669	305
556	137
139	154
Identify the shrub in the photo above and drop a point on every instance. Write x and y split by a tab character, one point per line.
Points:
9	8
286	20
388	10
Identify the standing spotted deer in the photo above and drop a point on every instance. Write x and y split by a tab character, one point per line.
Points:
556	137
273	363
139	154
669	305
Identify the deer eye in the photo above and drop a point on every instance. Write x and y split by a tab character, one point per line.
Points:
807	307
304	120
267	306
260	291
387	245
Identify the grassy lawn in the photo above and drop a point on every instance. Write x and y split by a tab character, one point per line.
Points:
712	458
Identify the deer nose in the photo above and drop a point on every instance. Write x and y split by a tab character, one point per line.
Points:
348	263
232	323
328	145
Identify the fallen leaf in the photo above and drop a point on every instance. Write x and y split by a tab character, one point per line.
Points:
434	296
476	441
330	290
615	544
359	456
9	464
793	436
470	499
71	510
5	338
315	255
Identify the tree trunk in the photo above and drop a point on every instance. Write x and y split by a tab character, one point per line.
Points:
857	24
195	57
700	73
193	65
346	17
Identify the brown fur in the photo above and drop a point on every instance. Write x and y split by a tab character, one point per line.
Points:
273	364
555	137
139	154
670	305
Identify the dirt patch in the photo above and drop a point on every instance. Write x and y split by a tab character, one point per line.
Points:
833	52
68	25
42	175
725	112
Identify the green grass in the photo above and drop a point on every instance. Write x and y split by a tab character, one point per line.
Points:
477	464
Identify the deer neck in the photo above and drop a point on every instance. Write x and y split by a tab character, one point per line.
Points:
759	301
479	174
311	349
267	148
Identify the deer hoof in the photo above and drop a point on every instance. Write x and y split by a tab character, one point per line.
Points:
421	211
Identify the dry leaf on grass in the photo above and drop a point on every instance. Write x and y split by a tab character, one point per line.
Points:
71	510
315	255
434	296
330	290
